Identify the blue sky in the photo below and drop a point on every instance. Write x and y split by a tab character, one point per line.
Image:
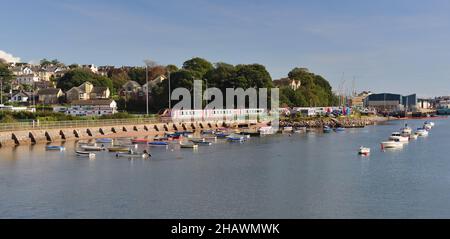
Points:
385	45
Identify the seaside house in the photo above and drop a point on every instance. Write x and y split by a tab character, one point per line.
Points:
87	91
96	107
132	90
21	97
293	84
29	79
153	83
50	95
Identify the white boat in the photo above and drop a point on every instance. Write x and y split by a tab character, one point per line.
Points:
427	126
266	130
406	131
364	150
85	154
422	132
132	155
392	144
397	136
91	148
413	136
287	129
429	123
188	145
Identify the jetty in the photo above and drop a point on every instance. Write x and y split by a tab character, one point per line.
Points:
24	133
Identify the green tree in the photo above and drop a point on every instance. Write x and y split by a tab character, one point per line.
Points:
6	76
76	77
119	79
198	66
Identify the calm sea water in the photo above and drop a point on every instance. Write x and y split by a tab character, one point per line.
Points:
310	175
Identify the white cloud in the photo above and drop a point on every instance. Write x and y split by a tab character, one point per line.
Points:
8	57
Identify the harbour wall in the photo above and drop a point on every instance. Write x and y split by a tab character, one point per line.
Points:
23	137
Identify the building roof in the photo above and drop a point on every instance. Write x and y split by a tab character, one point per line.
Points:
49	91
93	102
132	83
99	89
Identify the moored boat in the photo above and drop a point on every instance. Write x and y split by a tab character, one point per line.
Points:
327	129
85	154
188	145
364	150
266	130
55	148
104	140
339	129
158	143
421	132
398	136
91	148
119	149
139	141
391	144
201	143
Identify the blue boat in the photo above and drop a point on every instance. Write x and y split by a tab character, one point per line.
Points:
54	147
235	139
221	135
339	129
158	143
104	140
202	143
327	129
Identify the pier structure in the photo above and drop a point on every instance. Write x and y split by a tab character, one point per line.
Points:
62	131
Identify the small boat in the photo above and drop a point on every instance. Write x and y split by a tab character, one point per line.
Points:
119	149
161	138
287	129
406	131
188	145
55	148
201	143
250	133
208	131
132	155
391	144
364	150
235	139
339	129
429	123
210	137
267	130
85	154
221	135
413	136
398	136
140	141
327	129
427	126
104	140
158	143
91	148
300	130
197	139
421	132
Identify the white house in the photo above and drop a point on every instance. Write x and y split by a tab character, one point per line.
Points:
27	79
21	97
96	107
92	68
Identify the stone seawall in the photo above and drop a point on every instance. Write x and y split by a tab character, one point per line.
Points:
346	122
58	135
